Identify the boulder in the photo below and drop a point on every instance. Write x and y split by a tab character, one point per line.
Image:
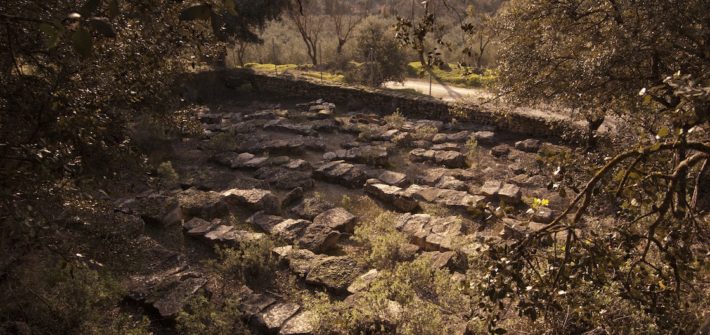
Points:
500	151
309	208
394	178
334	273
337	219
543	215
167	291
285	179
265	221
275	316
452	159
301	324
459	137
368	154
343	173
319	238
391	195
290	230
510	193
253	199
484	137
206	205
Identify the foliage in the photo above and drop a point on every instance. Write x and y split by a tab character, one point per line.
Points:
471	148
395	120
412	298
425	133
383	242
456	75
251	262
382	60
203	317
58	297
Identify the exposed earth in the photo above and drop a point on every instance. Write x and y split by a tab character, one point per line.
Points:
287	172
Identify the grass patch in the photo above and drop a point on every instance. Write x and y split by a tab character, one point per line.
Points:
458	75
271	67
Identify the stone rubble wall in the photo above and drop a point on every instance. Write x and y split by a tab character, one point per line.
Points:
386	102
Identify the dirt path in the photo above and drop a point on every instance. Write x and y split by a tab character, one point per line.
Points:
441	91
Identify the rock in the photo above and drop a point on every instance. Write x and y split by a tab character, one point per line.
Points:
529	145
167	291
275	316
194	223
431	233
452	159
490	188
440	260
240	161
342	173
301	324
457	137
484	137
220	233
458	200
301	261
206	205
402	139
319	238
311	207
451	183
338	219
543	215
292	197
254	303
394	178
335	273
446	146
510	193
254	199
285	179
517	168
363	282
264	221
299	164
391	195
204	228
421	144
290	230
368	154
283	124
500	151
152	207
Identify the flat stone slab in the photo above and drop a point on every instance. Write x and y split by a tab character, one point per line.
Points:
167	291
372	155
394	178
309	208
431	233
452	159
254	199
275	316
529	145
335	273
459	200
283	124
459	137
341	172
337	219
285	179
391	195
206	205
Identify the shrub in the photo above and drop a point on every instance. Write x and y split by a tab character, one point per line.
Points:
382	59
395	120
381	240
425	133
203	317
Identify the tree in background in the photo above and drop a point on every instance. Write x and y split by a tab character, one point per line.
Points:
382	59
345	16
309	23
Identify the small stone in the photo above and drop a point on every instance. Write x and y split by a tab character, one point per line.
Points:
529	145
543	215
500	151
490	188
510	193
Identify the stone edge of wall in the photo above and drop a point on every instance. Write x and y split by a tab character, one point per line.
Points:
385	102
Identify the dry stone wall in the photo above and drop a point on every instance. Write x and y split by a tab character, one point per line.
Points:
386	102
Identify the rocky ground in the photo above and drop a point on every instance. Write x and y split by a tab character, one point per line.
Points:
282	172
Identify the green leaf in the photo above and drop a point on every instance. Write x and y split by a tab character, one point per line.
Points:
90	7
102	26
199	12
81	41
113	8
52	34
